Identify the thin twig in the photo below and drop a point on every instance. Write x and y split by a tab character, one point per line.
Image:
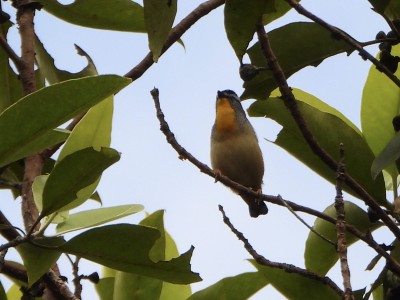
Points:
291	104
77	278
304	222
341	229
283	266
10	52
337	33
175	34
184	154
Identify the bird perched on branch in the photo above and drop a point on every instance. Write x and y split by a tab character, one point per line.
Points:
235	152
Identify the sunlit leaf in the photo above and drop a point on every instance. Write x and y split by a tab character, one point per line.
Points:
380	104
305	44
34	115
130	252
93	130
159	17
122	15
281	8
321	256
95	217
73	173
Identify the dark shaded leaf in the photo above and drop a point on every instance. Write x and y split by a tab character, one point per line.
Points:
159	16
122	15
296	45
241	286
73	173
130	252
241	18
34	115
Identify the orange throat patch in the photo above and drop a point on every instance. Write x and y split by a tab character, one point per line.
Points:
226	116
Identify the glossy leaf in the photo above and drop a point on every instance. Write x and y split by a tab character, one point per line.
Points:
53	75
95	217
73	173
241	18
305	44
50	107
37	260
130	252
295	286
380	104
320	256
159	16
122	15
329	130
241	286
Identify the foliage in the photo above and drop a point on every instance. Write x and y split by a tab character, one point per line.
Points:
141	261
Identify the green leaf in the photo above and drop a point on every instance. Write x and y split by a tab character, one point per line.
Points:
241	18
172	291
380	104
379	5
96	217
37	260
130	252
295	286
53	75
281	8
241	286
3	295
47	140
14	292
34	115
105	288
94	130
320	256
159	15
10	85
329	131
296	45
129	286
73	173
122	15
388	156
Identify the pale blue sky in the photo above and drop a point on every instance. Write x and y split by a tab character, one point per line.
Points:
150	172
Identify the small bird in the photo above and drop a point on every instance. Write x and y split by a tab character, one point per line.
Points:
235	152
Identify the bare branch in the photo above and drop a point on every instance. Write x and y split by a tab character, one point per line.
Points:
10	52
283	266
291	104
341	229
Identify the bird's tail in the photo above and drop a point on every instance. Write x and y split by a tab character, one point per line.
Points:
256	207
